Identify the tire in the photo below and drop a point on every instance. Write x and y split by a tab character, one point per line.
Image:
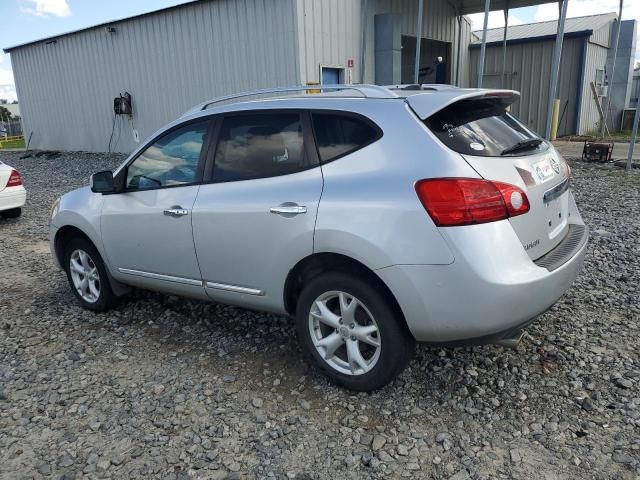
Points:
376	365
12	213
97	283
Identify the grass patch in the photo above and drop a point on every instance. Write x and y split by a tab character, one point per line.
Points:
12	143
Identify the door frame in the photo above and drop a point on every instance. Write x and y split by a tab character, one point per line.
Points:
120	176
341	73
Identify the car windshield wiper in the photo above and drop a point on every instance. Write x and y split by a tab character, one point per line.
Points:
522	145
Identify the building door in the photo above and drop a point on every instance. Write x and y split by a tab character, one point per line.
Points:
330	75
431	69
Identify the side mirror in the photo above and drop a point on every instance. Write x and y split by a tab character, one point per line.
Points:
102	182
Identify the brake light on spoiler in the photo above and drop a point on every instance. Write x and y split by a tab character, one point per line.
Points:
467	201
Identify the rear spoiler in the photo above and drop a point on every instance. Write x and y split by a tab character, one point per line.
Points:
428	103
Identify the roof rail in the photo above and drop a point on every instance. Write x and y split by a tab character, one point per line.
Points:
366	91
421	86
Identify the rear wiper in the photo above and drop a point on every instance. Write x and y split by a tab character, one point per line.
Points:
523	145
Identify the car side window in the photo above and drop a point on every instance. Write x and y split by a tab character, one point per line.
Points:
259	145
338	134
171	160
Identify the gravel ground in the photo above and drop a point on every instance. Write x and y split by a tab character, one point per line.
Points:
164	387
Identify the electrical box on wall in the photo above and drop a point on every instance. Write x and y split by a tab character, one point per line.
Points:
122	105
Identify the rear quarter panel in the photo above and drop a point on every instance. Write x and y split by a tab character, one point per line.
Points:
369	208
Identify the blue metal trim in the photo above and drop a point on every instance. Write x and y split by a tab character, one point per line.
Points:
515	41
581	65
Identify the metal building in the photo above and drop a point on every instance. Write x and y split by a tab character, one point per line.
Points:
529	54
172	59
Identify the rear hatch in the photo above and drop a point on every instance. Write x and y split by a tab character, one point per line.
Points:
495	144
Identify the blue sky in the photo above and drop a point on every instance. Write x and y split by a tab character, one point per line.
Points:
27	20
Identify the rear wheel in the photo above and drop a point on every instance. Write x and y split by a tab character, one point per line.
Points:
352	332
87	275
12	213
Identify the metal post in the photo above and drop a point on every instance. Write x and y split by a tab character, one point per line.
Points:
504	44
416	70
363	47
459	47
634	133
607	104
483	48
555	68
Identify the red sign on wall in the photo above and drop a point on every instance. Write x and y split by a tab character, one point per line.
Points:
350	63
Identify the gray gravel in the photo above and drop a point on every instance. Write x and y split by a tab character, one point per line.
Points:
164	387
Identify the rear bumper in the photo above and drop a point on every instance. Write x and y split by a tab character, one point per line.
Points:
492	288
12	197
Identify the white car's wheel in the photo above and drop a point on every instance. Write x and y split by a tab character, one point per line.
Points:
12	213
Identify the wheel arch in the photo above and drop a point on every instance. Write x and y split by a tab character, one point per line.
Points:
68	232
322	262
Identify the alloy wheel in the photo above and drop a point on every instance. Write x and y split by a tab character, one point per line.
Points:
85	276
344	333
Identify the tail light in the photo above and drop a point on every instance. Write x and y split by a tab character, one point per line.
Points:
14	179
467	201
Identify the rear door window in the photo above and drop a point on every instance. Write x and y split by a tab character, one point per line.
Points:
339	134
483	127
260	145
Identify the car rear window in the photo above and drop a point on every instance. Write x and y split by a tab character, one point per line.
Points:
483	127
339	134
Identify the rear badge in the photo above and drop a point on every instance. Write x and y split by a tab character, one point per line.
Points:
530	245
543	170
555	165
476	146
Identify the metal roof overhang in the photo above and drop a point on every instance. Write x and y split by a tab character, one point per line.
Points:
466	7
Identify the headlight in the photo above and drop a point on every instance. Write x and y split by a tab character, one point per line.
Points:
54	209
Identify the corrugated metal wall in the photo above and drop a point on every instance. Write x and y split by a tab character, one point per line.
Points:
330	33
168	61
595	59
173	59
439	23
528	70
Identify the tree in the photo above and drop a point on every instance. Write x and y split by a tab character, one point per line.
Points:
5	114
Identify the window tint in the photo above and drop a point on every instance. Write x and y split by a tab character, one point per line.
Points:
172	160
259	145
482	128
338	134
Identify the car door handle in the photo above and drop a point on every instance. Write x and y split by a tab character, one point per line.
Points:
176	212
288	209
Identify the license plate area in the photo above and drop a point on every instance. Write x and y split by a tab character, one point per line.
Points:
556	215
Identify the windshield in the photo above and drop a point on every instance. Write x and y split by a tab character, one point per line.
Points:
483	127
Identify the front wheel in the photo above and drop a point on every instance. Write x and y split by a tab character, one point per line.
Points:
352	331
87	275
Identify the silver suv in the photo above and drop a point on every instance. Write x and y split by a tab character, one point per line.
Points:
376	217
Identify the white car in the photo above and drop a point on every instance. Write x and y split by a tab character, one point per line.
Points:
12	193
